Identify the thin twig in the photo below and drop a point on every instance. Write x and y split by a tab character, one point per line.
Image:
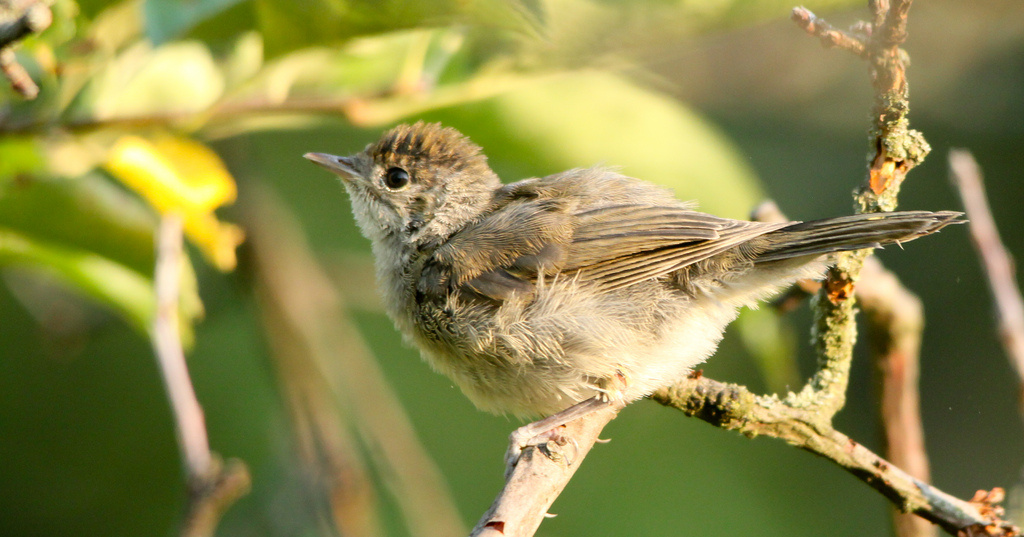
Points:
191	425
733	407
18	77
830	37
35	18
210	498
892	31
212	487
895	322
996	260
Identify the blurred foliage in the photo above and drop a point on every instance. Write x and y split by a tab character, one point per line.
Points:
154	106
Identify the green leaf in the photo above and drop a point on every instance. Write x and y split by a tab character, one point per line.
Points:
242	60
373	80
119	287
88	212
367	66
170	19
19	156
85	229
288	25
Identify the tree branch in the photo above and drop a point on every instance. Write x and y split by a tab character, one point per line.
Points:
212	487
895	150
995	259
830	37
733	407
35	18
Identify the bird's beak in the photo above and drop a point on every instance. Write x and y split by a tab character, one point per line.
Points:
343	166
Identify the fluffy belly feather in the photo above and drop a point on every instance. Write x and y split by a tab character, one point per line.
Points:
536	356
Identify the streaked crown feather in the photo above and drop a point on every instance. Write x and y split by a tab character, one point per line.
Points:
428	144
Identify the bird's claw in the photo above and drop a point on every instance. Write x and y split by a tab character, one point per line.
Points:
550	443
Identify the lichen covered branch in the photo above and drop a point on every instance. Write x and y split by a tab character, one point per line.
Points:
733	407
894	150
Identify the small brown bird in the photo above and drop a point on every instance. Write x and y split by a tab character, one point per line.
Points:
585	285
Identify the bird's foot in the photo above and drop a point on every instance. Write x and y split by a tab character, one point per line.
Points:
546	434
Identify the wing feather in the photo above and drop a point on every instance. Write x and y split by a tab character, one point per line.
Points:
617	272
614	246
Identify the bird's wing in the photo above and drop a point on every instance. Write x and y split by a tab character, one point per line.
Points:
614	246
621	245
501	253
618	231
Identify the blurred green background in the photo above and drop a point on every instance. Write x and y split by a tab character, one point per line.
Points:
726	102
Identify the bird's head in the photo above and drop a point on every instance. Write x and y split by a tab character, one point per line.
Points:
417	182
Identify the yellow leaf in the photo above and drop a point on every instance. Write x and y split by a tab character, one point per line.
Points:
217	240
174	174
181	176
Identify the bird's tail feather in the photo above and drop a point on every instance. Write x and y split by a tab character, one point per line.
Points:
853	233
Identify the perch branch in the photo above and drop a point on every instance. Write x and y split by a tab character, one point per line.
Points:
996	260
212	486
733	407
539	477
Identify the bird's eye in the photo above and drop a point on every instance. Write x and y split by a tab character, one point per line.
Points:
396	178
